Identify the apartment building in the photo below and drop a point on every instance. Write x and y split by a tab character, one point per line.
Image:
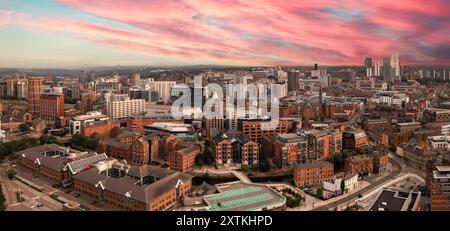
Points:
135	152
309	174
256	128
362	164
235	148
35	89
438	183
183	159
77	122
121	106
356	138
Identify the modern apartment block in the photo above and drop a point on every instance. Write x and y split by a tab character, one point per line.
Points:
438	184
301	147
121	106
35	89
235	148
52	105
256	128
76	123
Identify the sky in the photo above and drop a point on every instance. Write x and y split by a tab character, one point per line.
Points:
75	33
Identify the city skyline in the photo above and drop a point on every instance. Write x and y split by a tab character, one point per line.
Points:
75	33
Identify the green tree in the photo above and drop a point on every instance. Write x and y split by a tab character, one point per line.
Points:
2	199
245	168
265	165
24	127
346	153
198	160
207	157
363	150
292	202
11	173
83	141
47	139
10	148
392	148
343	186
319	192
337	161
58	123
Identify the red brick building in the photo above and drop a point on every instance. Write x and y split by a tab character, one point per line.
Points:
380	161
358	164
315	173
437	182
255	129
335	111
137	152
183	159
35	88
50	162
137	123
355	139
235	148
52	106
101	127
223	151
158	189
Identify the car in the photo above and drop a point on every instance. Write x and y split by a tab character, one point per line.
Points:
39	205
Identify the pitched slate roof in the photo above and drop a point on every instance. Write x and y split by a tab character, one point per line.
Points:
81	164
129	187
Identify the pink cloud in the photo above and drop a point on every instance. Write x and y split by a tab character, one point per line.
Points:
6	17
266	32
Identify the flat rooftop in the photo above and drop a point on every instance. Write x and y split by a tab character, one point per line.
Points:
171	127
239	196
443	168
393	200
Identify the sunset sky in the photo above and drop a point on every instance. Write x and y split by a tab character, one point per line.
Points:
74	33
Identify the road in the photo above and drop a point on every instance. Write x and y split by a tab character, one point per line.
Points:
374	185
33	197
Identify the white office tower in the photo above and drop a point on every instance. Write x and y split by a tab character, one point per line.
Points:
391	68
163	87
395	62
369	72
377	69
322	76
280	75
